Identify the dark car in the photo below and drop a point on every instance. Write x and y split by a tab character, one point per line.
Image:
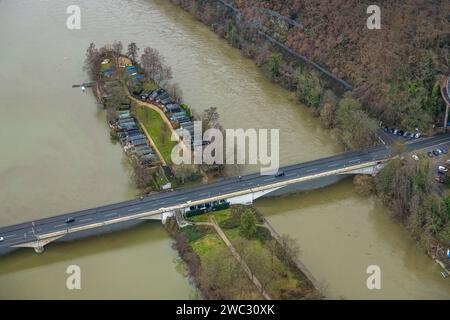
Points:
430	154
444	150
386	129
436	152
279	174
70	220
400	132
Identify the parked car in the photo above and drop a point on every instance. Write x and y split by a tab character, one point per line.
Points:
442	169
395	131
2	239
400	132
386	129
415	157
444	150
407	134
417	135
436	153
430	154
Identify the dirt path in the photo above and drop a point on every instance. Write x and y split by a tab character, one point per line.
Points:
236	255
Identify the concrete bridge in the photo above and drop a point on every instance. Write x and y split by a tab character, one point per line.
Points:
160	206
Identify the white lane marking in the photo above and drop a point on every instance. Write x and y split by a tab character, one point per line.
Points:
133	209
355	160
291	174
10	236
311	170
333	165
59	225
110	214
269	179
85	220
204	194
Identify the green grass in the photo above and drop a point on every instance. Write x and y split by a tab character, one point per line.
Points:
200	218
161	178
285	278
206	244
222	215
153	124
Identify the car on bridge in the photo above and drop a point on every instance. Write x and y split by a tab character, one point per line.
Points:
279	174
70	220
2	239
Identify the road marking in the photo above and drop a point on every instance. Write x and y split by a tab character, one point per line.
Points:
269	179
355	160
133	209
333	165
204	194
85	220
10	236
291	174
311	170
59	225
110	214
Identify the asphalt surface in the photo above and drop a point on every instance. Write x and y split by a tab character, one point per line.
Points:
27	232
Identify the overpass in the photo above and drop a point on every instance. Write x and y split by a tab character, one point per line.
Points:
160	206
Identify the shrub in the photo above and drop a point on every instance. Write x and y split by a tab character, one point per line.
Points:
263	234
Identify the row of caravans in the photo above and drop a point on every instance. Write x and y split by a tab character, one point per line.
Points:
134	142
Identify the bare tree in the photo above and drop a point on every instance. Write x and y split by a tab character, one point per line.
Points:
132	51
175	92
117	50
153	63
210	118
92	60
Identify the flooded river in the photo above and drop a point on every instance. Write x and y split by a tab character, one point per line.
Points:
56	157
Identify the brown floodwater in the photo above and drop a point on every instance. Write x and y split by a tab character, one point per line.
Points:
57	157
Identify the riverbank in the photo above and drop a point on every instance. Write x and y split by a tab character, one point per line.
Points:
230	254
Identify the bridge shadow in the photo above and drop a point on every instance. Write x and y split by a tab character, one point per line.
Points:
21	259
289	200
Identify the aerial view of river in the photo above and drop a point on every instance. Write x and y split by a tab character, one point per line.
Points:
57	157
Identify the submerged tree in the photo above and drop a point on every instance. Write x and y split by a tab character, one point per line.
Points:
153	64
132	51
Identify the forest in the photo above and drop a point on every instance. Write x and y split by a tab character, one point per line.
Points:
394	73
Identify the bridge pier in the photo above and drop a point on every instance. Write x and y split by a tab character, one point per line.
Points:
39	249
38	244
